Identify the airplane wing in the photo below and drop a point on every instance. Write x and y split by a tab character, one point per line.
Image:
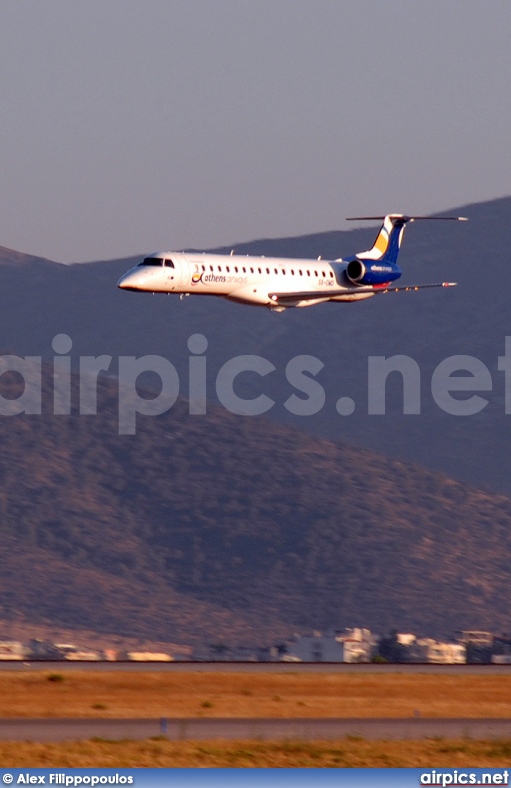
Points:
311	296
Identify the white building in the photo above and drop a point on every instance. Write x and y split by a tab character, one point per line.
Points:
11	649
358	645
71	652
501	659
430	650
406	638
354	645
452	653
149	656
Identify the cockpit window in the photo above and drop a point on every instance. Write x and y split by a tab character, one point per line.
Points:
169	264
152	261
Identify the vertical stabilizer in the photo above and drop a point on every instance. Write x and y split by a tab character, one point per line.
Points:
388	241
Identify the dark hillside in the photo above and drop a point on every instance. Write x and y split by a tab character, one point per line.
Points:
229	528
40	299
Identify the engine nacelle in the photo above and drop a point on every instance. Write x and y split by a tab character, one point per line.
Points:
371	272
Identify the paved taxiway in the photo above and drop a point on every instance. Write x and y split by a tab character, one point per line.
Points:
256	667
55	730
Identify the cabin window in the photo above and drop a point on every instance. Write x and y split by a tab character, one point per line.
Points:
259	270
331	275
203	267
152	261
211	268
276	270
251	270
267	270
300	272
283	270
227	269
219	267
323	274
244	270
315	273
308	273
292	271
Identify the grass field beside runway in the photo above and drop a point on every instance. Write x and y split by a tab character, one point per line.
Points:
122	694
348	752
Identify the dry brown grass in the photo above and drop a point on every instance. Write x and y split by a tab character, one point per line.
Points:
161	694
122	694
343	753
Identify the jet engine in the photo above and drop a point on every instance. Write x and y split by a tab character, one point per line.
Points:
371	272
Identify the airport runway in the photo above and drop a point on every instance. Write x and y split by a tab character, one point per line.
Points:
57	730
256	667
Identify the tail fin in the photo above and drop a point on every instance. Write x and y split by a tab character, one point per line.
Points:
388	241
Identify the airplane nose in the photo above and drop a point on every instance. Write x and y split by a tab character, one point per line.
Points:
129	281
136	279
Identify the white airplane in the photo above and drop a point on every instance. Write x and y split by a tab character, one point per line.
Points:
279	283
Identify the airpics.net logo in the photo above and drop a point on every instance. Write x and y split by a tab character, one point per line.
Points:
456	384
453	777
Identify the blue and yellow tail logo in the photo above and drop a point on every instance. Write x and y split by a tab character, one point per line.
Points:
388	241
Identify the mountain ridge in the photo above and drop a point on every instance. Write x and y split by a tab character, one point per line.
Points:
228	528
37	302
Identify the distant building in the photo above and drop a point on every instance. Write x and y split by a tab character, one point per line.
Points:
72	653
479	646
501	659
43	649
406	647
12	649
149	656
477	637
406	638
83	655
358	645
501	650
354	645
455	653
315	648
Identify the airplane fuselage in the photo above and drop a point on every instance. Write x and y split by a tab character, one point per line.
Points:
249	280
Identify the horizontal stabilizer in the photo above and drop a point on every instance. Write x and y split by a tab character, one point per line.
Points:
405	219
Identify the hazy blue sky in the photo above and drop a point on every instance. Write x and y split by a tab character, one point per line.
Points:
134	125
